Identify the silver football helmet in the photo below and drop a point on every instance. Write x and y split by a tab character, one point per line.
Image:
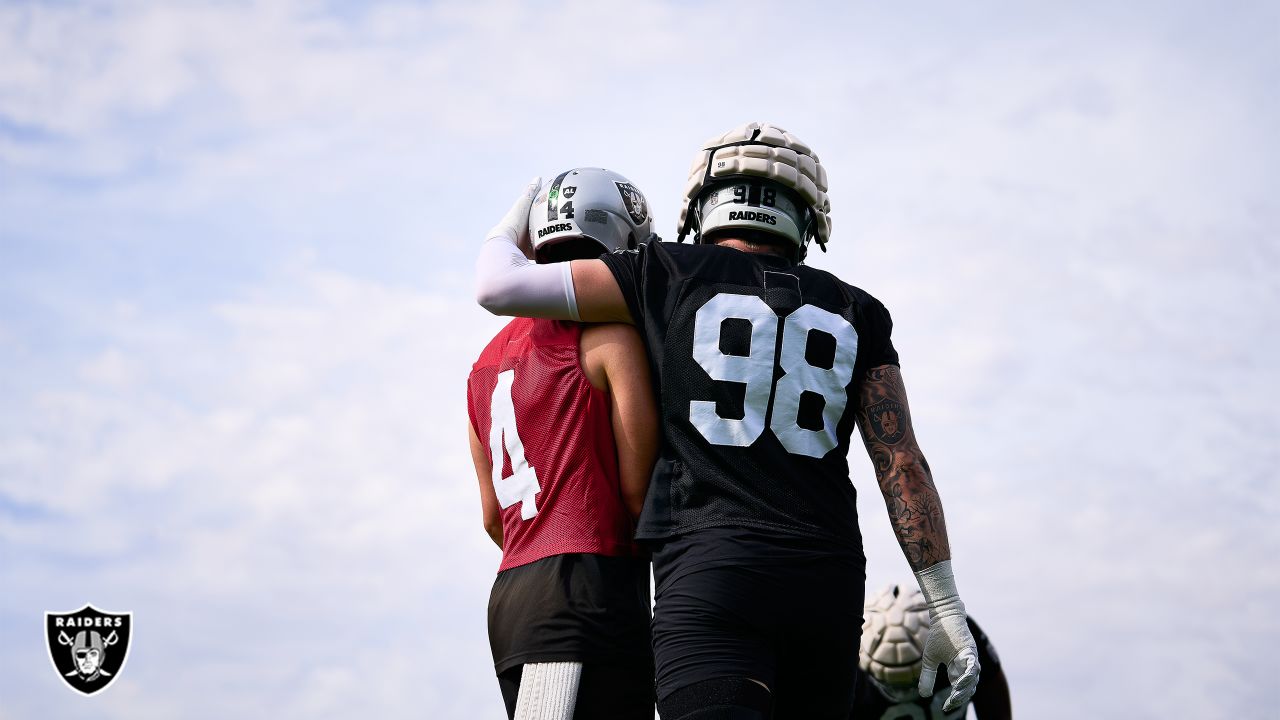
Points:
757	177
584	212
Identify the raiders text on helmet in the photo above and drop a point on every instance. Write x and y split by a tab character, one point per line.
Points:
770	171
584	205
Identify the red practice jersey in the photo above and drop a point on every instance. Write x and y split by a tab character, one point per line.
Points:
550	439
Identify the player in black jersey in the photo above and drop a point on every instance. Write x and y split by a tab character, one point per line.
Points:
894	632
763	366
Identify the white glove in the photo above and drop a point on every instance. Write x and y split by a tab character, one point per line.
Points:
514	226
950	643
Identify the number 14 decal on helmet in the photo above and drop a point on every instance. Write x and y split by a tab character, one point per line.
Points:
756	371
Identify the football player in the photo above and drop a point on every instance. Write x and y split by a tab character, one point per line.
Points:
894	630
563	436
763	367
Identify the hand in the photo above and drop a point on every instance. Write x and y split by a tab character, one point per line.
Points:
949	643
514	226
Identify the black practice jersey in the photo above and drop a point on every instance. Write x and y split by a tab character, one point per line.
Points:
990	701
757	364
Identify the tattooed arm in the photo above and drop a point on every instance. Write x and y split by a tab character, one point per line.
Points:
905	481
916	515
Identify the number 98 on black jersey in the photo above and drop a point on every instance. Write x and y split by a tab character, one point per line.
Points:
757	364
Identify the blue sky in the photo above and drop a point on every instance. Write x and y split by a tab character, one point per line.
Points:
236	245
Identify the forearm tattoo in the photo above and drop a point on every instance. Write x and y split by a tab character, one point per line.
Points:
915	511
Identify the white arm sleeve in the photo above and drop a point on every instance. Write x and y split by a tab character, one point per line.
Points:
507	283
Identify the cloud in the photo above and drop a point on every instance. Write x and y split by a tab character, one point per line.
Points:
299	487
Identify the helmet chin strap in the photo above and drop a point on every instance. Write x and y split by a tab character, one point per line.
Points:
809	235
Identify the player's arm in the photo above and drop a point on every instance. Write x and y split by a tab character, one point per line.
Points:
508	283
490	512
613	359
915	512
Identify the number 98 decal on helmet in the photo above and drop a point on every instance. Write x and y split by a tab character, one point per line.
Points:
585	212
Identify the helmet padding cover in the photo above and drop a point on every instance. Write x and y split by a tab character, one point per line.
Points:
759	151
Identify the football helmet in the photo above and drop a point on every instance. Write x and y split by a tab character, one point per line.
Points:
895	627
757	177
584	212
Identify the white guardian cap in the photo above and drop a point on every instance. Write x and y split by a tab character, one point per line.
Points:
584	212
895	625
757	177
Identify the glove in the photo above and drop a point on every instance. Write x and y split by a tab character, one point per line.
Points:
949	643
514	226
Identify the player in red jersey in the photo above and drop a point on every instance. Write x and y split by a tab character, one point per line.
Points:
564	435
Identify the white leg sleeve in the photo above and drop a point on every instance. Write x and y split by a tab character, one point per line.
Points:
548	691
507	283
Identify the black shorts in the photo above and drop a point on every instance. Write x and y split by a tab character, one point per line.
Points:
791	621
606	691
572	607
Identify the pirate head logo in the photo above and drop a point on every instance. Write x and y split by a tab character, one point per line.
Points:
886	421
631	197
889	421
88	647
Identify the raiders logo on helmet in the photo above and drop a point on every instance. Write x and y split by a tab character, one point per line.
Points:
637	208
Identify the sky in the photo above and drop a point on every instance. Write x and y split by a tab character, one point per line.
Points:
236	317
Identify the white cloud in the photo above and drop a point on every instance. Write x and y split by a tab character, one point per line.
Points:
305	482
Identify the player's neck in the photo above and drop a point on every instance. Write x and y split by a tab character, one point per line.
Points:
751	246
